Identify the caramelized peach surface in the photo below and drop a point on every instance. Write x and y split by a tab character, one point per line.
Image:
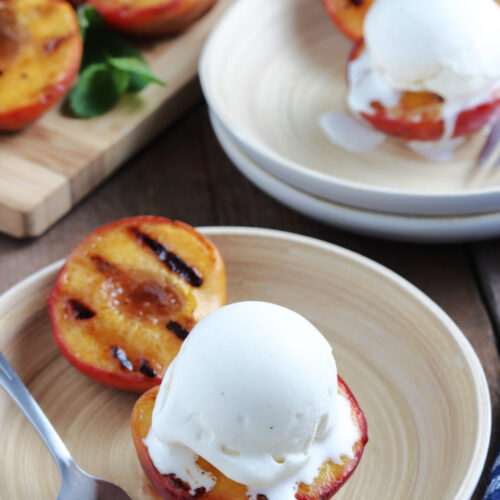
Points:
330	478
40	54
151	17
128	296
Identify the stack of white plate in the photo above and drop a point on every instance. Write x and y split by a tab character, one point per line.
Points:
269	71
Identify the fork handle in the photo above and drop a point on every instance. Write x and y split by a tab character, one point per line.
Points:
20	394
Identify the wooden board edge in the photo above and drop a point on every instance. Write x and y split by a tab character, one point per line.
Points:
35	219
131	143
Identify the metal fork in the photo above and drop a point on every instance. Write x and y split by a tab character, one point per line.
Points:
490	154
76	484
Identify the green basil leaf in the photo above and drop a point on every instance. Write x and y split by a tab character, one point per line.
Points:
135	66
92	54
88	18
137	83
100	42
116	49
114	45
98	90
110	66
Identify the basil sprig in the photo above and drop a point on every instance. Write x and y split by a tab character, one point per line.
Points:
110	67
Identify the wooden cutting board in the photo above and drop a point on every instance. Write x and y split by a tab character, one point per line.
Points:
48	167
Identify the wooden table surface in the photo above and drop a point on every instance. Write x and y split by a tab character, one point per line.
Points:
185	175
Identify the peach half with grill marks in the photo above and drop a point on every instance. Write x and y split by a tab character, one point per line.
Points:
40	54
129	294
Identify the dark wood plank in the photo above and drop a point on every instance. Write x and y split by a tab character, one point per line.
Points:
486	257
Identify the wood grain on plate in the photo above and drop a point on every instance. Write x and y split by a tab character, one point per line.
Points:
412	371
48	167
385	225
294	71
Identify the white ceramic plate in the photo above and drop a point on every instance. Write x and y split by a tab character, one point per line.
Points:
270	69
415	375
398	227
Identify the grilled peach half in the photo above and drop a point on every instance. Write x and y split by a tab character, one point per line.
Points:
151	17
348	15
419	115
40	54
330	478
129	294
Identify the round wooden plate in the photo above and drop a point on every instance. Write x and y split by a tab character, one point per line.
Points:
383	225
413	372
269	71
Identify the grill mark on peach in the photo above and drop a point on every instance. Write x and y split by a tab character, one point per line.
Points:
177	329
80	310
146	369
138	295
121	356
9	27
54	43
9	35
260	496
170	259
178	483
104	266
357	3
198	492
8	51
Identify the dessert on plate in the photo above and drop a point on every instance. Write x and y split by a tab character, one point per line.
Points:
252	407
426	71
129	294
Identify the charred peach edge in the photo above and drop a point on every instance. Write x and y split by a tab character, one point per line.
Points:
127	381
171	488
348	467
165	18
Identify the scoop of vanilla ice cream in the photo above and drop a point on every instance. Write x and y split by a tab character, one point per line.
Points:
252	388
448	47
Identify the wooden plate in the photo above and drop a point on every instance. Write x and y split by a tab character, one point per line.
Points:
413	372
437	229
270	69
